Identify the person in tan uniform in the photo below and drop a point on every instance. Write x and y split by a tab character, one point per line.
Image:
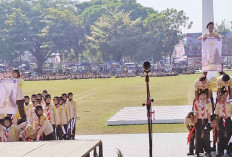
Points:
202	84
65	118
28	133
223	111
32	115
11	131
39	97
50	111
203	112
27	105
73	114
224	81
33	97
190	125
44	128
58	127
45	92
67	104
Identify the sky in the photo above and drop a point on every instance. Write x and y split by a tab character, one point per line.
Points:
193	9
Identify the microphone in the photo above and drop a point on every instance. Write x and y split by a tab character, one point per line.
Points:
147	66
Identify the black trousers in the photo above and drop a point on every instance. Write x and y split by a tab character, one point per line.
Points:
191	144
65	136
202	142
74	129
225	133
59	133
20	104
49	137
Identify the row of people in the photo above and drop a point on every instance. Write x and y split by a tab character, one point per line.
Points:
89	76
47	77
208	115
125	75
161	74
65	77
44	120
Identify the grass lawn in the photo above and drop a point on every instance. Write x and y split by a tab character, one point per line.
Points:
99	99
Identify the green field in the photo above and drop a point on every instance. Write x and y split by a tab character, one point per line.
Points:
99	99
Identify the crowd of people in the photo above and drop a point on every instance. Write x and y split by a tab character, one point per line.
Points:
208	116
89	76
42	119
39	117
125	75
161	74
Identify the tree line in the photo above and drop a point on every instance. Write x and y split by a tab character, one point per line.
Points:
97	30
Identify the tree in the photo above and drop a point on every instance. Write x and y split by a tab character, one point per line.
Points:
14	28
222	27
116	35
17	32
164	31
92	10
65	31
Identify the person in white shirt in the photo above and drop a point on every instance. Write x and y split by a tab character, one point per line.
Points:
19	97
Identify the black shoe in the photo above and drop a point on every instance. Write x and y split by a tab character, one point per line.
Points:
190	153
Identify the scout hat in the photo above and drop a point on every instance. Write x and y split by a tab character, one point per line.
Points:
209	24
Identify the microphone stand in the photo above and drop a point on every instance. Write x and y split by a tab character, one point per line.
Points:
149	112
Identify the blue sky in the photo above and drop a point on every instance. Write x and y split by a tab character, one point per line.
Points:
192	8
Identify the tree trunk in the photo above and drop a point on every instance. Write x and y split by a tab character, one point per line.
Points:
40	63
76	55
39	58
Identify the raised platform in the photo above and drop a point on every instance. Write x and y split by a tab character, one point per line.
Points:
71	148
138	115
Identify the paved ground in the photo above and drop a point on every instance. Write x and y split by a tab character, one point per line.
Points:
138	115
136	145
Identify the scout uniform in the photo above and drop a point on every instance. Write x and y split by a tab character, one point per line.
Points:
44	128
50	112
190	124
210	34
202	128
28	109
67	104
73	114
224	84
29	134
58	109
223	111
199	86
32	115
27	106
11	133
33	97
39	97
65	118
